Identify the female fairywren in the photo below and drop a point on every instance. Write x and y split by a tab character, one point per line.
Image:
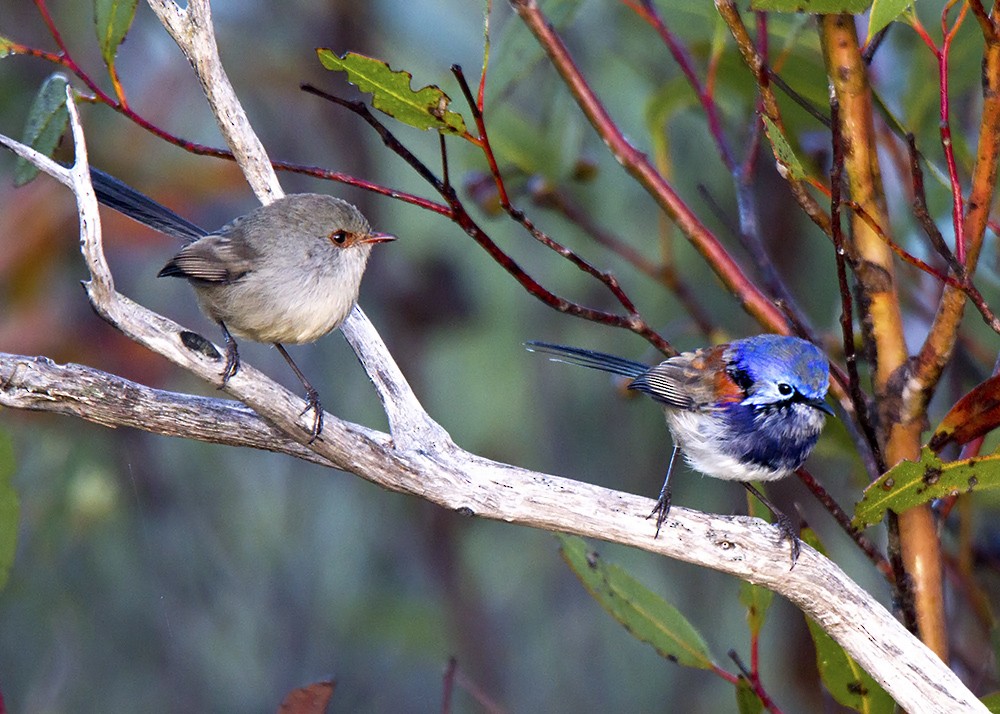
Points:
288	272
750	410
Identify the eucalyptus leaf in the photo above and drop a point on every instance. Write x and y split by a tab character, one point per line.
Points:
425	108
849	684
883	12
112	20
783	152
48	119
912	483
647	616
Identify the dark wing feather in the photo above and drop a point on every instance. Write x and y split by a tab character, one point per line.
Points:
588	358
118	195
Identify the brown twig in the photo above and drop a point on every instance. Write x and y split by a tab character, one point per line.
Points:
858	397
758	66
844	521
639	166
664	273
742	174
608	279
461	217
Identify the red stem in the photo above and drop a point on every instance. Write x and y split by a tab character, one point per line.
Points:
647	11
638	165
957	205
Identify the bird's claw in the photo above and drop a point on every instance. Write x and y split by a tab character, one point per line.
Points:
312	403
788	531
232	363
661	510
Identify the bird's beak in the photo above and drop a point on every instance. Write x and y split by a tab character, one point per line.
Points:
378	238
821	405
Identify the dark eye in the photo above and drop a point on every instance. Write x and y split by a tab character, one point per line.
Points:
785	390
339	237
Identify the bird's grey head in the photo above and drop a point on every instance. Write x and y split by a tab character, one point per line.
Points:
328	219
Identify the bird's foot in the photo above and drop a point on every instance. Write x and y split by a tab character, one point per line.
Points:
788	531
232	363
661	510
312	403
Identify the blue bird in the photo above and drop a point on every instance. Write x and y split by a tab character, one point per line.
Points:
750	410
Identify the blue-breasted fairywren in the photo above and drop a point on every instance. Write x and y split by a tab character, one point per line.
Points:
750	410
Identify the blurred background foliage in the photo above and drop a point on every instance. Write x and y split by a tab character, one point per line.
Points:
159	575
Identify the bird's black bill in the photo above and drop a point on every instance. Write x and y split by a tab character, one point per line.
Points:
118	195
821	405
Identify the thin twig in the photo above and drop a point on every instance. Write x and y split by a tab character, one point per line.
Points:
461	217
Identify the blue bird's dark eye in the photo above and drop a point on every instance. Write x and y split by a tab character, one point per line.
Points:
785	390
339	237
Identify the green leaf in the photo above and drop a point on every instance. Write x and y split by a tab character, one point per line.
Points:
425	108
847	682
746	701
783	153
817	7
911	483
647	616
9	509
992	702
756	600
883	12
112	20
47	121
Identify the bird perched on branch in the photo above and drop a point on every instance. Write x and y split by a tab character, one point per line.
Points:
288	272
750	410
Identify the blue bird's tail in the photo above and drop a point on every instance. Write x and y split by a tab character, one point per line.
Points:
118	195
589	358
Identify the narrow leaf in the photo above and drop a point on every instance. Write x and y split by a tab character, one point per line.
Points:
9	509
883	12
816	7
647	616
992	702
912	483
746	701
975	414
788	162
425	108
847	682
47	121
112	20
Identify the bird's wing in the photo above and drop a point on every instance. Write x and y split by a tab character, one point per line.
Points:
693	381
669	383
212	259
